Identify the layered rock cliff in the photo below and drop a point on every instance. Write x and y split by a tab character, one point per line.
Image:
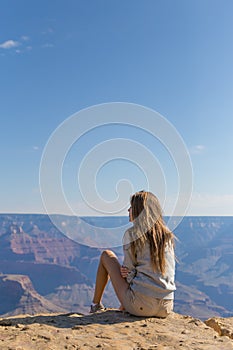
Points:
19	297
63	271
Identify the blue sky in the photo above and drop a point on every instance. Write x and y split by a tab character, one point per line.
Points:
59	57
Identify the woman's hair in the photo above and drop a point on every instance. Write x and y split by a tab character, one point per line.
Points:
148	226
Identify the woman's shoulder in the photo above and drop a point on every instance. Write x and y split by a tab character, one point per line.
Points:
128	236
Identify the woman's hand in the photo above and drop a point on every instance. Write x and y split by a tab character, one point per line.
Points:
124	271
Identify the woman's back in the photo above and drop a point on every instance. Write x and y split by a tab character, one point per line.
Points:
142	276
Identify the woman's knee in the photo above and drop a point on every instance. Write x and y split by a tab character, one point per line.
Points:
109	260
107	254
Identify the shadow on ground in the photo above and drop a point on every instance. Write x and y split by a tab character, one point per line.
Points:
71	320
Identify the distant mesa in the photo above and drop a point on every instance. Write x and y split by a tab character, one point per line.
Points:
19	297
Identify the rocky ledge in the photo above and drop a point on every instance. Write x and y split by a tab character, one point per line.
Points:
113	329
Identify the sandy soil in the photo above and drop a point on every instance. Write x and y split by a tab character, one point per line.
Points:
113	330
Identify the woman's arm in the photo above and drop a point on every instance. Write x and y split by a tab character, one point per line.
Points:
128	269
128	258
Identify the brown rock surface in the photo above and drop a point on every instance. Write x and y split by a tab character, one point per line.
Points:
224	326
110	329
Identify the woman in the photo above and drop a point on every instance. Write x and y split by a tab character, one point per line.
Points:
144	284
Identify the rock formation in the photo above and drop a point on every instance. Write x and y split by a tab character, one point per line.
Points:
18	297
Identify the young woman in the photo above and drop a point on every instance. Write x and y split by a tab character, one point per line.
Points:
144	284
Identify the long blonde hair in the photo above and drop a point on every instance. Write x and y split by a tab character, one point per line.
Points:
149	226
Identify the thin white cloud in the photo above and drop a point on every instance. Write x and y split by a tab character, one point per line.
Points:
23	43
202	204
9	44
197	149
24	38
36	148
48	31
46	46
211	204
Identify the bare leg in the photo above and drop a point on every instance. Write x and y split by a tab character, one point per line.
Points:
102	278
109	266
